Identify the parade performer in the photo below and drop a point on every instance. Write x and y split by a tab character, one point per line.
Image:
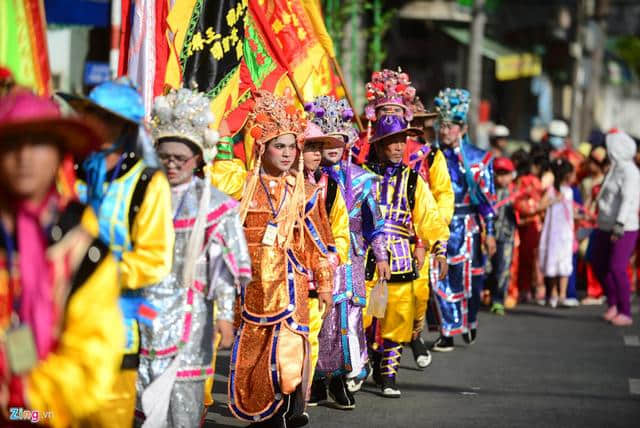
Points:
283	215
60	324
471	172
133	203
424	157
210	255
408	208
339	241
343	346
505	224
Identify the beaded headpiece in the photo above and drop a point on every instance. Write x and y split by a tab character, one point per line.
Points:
273	116
185	115
388	87
333	117
452	105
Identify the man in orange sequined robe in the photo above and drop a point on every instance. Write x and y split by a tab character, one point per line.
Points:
284	222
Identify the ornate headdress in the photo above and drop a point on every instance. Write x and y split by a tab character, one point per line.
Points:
452	105
273	116
184	115
388	87
333	117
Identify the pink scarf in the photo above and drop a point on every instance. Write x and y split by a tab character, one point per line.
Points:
37	305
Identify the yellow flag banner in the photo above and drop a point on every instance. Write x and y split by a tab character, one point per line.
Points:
314	12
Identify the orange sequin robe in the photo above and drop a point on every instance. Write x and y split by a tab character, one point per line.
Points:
270	357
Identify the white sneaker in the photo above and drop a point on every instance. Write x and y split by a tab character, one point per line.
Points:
541	302
424	361
569	303
553	302
354	385
390	392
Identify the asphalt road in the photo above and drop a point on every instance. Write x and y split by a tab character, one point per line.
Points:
535	367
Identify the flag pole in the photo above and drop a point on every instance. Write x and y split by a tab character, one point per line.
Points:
336	66
296	88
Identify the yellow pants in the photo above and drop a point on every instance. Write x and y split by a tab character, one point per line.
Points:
397	324
118	406
421	297
315	324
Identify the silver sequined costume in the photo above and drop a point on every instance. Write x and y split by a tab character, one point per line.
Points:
184	326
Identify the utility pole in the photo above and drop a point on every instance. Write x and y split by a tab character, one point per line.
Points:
597	60
578	74
474	76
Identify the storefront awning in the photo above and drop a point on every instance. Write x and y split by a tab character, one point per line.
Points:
510	64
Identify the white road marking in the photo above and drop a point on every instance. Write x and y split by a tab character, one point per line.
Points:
631	341
634	386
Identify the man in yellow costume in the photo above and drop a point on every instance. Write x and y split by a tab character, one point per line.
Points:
424	157
132	199
283	218
60	326
408	208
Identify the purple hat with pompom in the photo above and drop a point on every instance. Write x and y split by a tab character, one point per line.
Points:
392	125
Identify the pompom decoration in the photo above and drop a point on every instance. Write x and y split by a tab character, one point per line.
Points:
185	114
452	105
334	117
388	87
273	116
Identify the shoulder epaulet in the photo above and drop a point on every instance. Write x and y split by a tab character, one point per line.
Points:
138	193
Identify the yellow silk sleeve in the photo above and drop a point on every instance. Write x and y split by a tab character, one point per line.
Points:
152	236
440	183
69	382
228	176
339	220
427	221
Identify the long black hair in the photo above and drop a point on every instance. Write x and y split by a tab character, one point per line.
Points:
561	169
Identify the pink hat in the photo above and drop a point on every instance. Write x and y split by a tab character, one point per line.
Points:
22	112
313	134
